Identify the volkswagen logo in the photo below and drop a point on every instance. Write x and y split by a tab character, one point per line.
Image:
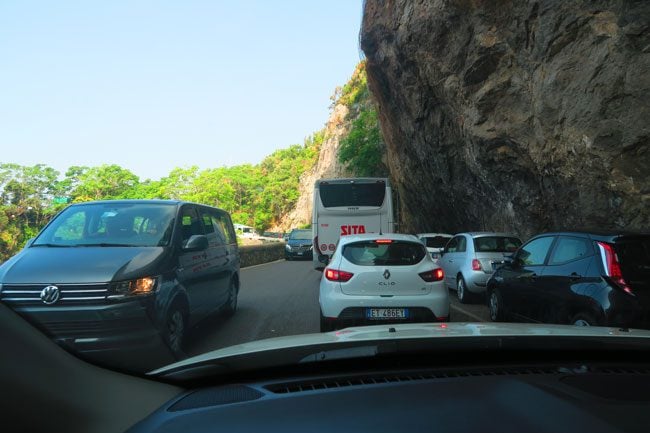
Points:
386	274
50	295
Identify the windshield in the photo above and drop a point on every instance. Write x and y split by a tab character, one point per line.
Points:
178	178
436	241
300	235
145	225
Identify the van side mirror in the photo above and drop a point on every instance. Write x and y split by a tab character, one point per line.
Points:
196	243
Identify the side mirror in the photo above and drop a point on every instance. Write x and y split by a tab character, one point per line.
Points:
324	258
196	243
509	258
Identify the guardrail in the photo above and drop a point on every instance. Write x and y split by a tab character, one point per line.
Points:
256	254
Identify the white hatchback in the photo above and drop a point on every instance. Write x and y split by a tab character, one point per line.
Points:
375	279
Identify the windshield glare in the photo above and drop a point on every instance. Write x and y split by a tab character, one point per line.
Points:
300	235
115	224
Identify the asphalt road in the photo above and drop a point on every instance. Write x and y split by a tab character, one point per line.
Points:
281	298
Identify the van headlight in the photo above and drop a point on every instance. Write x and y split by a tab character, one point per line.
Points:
141	286
287	247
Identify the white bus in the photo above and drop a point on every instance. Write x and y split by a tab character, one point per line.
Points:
347	207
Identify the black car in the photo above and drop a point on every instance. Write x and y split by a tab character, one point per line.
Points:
299	245
580	278
123	280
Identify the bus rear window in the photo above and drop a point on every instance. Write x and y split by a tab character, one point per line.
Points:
352	194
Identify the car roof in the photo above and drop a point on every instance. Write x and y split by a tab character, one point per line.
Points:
480	234
430	235
372	236
597	234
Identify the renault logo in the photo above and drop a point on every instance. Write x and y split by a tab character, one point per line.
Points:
386	274
50	295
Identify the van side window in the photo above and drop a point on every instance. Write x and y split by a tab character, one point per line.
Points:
190	224
224	226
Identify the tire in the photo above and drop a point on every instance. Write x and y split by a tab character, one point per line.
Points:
231	304
326	325
464	295
287	258
584	319
495	306
176	330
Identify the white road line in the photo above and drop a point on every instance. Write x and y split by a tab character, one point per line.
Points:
262	264
467	313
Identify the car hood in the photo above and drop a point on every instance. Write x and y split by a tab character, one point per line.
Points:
298	242
381	333
51	265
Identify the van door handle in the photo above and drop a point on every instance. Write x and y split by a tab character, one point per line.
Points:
574	276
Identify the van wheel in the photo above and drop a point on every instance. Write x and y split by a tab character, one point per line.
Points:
231	303
175	331
584	319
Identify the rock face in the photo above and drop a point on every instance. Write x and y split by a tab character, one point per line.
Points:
514	115
327	166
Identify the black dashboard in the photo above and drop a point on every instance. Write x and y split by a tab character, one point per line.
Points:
542	398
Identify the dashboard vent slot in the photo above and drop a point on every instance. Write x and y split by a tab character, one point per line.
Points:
216	397
342	382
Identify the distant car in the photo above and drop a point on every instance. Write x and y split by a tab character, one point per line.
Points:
299	245
435	242
388	278
580	278
469	259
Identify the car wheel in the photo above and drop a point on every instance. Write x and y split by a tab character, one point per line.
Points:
461	290
326	325
231	303
495	305
175	331
584	319
287	258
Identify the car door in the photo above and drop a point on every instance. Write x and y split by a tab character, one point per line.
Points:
448	261
191	272
211	291
227	254
564	278
521	279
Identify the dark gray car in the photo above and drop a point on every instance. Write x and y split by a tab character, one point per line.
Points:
115	278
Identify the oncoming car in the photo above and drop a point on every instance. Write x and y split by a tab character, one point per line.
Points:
374	279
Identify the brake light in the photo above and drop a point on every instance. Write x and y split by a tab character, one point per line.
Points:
433	275
384	241
613	266
476	265
336	275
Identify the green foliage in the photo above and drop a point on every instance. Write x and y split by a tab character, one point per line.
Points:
362	149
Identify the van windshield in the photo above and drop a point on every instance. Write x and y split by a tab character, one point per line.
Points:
300	235
110	224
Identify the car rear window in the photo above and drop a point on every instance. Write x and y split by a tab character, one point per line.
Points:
396	253
634	255
496	244
357	194
436	241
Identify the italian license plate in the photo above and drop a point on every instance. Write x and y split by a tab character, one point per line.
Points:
386	313
300	253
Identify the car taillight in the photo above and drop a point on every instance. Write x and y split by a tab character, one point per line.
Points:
613	266
433	275
476	265
336	275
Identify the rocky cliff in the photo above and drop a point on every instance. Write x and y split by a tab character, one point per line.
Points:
511	114
327	166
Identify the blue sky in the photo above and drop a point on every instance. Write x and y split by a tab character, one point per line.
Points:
153	85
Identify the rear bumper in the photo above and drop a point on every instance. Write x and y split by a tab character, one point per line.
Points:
335	304
307	255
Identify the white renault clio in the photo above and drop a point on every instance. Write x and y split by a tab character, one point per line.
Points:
375	279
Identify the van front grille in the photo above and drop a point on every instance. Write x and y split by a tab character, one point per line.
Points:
29	294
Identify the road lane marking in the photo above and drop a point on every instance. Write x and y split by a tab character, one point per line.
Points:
261	264
467	313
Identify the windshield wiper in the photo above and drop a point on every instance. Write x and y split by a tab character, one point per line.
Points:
106	244
51	245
